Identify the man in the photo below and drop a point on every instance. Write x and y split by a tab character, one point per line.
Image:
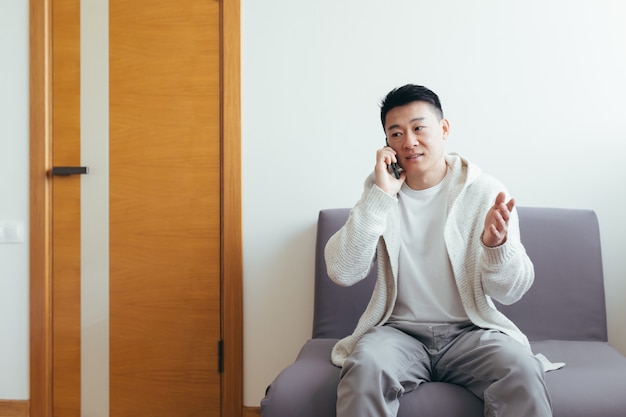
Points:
446	239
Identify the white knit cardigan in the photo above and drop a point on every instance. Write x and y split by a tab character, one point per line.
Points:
372	231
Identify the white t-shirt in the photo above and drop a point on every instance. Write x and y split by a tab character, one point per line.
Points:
427	291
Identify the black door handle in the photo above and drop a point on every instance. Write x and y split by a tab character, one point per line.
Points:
69	170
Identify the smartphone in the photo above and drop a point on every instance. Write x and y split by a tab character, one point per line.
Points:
394	168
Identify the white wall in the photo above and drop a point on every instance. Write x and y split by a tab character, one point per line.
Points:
14	330
534	91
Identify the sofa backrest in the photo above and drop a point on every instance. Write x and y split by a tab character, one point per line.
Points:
566	301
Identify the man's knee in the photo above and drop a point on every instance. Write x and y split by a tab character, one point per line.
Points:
529	367
518	362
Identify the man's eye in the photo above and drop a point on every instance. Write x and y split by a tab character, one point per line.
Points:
396	135
418	128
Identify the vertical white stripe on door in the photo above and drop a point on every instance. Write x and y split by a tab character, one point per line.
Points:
94	122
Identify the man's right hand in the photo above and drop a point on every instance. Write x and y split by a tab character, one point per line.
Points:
385	180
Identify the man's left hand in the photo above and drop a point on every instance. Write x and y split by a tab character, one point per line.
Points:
497	221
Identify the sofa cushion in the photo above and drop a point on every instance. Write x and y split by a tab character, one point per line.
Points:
331	300
566	301
593	383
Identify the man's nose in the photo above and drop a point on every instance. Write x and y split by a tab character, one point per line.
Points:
410	140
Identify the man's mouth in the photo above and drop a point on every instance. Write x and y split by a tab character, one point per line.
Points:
414	157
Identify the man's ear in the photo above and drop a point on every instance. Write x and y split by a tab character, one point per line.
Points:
445	128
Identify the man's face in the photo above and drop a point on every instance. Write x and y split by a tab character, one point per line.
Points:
416	133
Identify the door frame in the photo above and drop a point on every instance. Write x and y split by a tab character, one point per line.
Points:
41	202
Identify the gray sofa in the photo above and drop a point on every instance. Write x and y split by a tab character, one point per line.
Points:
563	315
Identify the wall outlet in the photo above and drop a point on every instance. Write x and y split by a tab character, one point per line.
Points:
11	231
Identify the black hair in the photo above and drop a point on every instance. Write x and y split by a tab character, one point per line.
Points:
407	94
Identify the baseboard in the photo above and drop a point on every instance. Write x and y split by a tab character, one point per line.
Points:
21	408
251	412
14	408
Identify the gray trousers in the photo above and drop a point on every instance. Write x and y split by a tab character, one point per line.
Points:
391	360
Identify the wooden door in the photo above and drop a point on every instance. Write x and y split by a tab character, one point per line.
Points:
164	208
166	215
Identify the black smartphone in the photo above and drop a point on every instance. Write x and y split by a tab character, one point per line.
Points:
393	167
